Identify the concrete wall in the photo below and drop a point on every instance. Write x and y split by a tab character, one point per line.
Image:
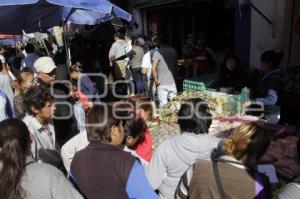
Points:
263	35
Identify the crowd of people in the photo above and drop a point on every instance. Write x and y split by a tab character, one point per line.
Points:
59	139
151	64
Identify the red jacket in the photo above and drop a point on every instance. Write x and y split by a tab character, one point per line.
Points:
144	149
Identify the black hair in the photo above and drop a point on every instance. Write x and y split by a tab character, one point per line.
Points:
272	58
26	70
75	69
131	36
37	98
29	48
60	58
194	116
150	45
96	130
15	146
120	35
133	125
230	56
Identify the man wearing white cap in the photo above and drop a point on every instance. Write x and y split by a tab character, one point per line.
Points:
46	71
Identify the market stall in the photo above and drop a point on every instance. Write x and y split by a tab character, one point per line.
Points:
40	15
226	110
227	114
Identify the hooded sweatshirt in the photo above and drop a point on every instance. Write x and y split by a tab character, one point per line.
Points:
174	156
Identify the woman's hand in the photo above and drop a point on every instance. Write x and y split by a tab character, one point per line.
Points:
157	83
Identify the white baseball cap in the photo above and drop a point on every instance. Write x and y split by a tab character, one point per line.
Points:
44	64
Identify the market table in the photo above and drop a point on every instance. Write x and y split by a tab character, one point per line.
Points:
220	127
281	151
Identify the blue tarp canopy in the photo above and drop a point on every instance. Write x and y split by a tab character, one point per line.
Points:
39	15
9	41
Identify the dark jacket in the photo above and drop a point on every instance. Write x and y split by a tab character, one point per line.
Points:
101	171
234	79
272	80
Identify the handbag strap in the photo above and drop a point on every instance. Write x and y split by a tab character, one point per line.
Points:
30	162
218	180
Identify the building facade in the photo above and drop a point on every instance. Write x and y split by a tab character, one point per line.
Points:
178	18
230	24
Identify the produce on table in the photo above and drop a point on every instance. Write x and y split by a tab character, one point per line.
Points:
227	114
282	153
221	104
222	126
162	132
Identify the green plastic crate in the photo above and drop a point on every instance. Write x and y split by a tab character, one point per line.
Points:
200	83
189	85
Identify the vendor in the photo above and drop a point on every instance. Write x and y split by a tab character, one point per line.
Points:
231	75
204	59
266	92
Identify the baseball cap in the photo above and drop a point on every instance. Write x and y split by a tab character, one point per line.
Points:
141	41
44	64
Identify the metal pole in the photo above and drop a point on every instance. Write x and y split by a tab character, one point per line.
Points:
67	48
43	42
66	38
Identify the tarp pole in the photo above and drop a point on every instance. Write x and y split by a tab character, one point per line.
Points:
43	42
67	47
65	32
